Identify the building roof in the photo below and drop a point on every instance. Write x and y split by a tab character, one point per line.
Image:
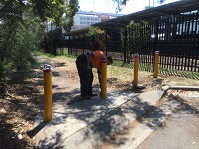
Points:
176	8
98	13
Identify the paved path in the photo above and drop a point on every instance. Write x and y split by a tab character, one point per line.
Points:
81	124
76	121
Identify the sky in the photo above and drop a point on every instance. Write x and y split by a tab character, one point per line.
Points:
108	6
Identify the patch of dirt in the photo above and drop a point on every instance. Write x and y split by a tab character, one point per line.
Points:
17	114
18	111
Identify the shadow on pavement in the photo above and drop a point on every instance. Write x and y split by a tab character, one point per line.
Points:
38	128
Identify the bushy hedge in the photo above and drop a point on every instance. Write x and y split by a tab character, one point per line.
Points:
17	41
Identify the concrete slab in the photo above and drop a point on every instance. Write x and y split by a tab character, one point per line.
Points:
151	97
68	119
88	122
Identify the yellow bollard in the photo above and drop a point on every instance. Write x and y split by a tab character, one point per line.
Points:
135	81
156	64
47	93
104	79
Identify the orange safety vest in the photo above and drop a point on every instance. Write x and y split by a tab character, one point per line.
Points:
97	60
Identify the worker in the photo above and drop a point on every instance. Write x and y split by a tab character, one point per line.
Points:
84	63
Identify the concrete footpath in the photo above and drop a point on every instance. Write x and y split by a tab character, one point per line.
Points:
88	122
79	124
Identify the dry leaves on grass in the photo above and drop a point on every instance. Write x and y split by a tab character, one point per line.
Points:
120	77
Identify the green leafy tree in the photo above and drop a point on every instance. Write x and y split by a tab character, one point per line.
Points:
21	26
137	36
73	7
17	41
122	3
56	11
97	35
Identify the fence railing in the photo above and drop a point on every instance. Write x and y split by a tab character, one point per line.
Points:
175	37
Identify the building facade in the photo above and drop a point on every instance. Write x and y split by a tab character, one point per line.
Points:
87	18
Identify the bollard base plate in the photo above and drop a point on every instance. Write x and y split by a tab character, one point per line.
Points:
139	86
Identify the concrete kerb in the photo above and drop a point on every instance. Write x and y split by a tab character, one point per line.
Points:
188	88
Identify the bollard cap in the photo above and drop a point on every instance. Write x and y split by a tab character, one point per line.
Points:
47	67
135	55
156	52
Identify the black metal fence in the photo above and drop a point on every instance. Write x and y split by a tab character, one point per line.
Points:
175	37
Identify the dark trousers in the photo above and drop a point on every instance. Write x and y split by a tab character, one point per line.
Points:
86	77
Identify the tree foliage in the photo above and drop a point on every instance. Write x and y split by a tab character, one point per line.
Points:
21	28
138	34
17	41
52	10
161	1
122	3
97	35
73	7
